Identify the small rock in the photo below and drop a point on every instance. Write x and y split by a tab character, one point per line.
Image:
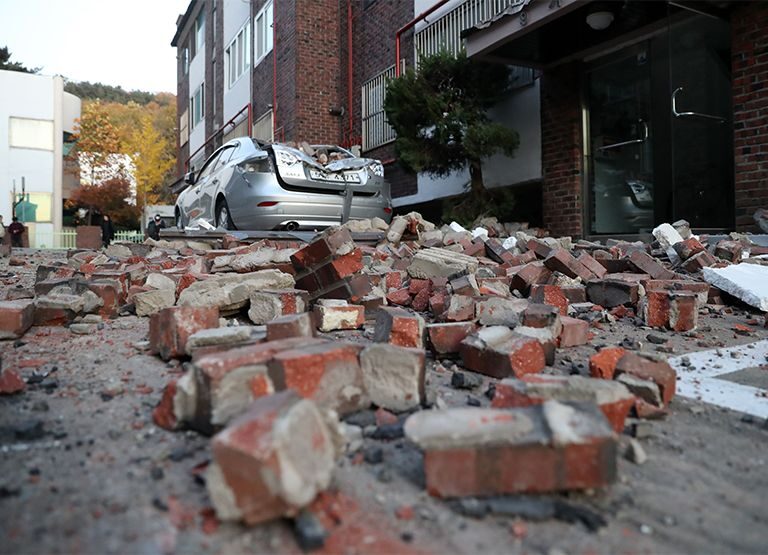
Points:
29	430
635	452
462	380
373	455
310	533
156	473
656	339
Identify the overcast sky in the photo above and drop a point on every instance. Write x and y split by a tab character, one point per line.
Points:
116	42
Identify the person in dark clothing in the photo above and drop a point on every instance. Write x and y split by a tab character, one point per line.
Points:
16	229
154	227
107	230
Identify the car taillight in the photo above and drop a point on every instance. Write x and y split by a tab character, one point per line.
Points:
387	210
267	203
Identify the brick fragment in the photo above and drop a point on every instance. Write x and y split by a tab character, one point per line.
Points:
645	263
496	252
420	302
401	297
394	376
460	308
393	280
399	327
539	248
540	316
543	448
446	338
551	295
269	304
603	363
333	315
339	268
645	368
612	292
291	325
170	328
698	261
327	373
11	382
529	275
592	265
677	311
272	461
560	260
465	285
729	250
574	332
499	352
16	317
417	285
499	311
574	293
687	248
613	398
332	242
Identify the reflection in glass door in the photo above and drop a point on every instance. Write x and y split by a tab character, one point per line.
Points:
620	134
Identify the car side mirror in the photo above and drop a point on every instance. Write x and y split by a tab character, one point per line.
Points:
189	177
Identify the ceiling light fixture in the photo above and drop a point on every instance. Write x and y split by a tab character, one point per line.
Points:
599	20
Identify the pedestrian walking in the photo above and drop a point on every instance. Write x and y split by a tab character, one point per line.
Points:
16	229
154	227
107	230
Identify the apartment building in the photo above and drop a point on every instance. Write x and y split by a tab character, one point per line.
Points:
37	119
316	72
630	113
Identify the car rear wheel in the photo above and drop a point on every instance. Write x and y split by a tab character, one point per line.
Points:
223	217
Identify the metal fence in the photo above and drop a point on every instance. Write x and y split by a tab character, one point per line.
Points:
376	130
444	34
67	238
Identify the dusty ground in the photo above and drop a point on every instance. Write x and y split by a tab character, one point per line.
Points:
84	469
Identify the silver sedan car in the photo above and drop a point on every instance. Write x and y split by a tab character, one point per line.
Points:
251	185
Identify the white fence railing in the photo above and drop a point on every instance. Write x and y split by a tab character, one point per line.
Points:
67	238
376	130
444	34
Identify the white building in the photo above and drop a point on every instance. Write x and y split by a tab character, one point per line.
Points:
35	116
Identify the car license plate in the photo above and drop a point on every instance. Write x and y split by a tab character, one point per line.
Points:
334	177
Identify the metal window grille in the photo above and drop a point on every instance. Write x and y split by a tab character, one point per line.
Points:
376	130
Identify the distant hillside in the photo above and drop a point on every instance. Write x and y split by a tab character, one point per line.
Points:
109	93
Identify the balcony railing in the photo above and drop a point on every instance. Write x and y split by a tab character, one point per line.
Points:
376	130
444	34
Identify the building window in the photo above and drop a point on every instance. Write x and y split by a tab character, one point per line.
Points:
263	26
185	61
197	106
30	133
34	207
376	129
198	36
184	128
238	55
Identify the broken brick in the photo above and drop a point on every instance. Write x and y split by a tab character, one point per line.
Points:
645	368
574	332
16	317
394	376
291	325
499	352
543	448
333	315
446	338
11	382
399	327
170	328
603	363
551	295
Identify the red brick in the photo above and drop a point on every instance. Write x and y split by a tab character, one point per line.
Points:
729	250
460	308
465	285
528	275
11	382
649	265
540	316
539	248
657	371
400	297
446	338
698	261
16	317
677	311
551	295
688	247
330	316
163	414
170	328
560	260
339	267
393	280
592	265
438	302
418	285
328	373
478	452
271	461
420	302
399	327
611	292
498	352
603	363
334	242
291	325
575	332
614	400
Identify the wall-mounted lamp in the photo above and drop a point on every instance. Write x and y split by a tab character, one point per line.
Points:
599	20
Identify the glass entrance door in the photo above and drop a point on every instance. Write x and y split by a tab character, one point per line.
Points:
701	123
659	132
620	140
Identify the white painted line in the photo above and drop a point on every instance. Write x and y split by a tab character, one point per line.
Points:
700	379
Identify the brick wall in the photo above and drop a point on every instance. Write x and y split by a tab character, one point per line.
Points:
749	54
182	95
561	154
318	72
373	41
